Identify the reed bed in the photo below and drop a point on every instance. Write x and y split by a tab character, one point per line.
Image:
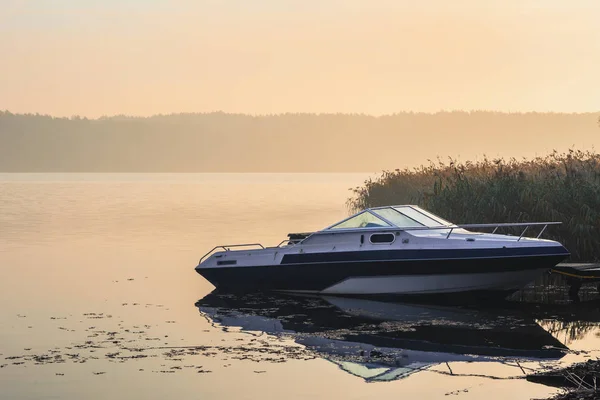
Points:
561	187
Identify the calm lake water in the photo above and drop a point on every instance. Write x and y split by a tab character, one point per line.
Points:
100	300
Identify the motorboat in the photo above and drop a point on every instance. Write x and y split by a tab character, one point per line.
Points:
399	250
384	341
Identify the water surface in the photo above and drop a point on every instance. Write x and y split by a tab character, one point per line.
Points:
100	300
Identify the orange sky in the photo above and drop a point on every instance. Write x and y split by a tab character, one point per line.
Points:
66	57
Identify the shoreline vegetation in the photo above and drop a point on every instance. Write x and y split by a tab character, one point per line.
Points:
561	187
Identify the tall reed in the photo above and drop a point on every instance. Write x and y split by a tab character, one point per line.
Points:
561	187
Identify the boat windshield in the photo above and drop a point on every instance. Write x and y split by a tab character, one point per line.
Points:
363	220
424	218
392	216
398	218
432	216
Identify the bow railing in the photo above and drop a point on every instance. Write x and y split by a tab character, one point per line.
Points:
226	248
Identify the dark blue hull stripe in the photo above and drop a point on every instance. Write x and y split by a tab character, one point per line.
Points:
433	254
318	276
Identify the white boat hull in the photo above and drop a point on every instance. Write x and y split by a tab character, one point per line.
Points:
433	284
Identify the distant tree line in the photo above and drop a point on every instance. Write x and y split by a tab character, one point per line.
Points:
291	142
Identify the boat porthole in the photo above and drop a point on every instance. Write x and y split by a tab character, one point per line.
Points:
470	240
362	239
382	238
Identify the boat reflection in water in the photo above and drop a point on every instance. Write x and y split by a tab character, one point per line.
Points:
385	341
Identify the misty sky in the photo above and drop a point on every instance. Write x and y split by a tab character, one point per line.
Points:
66	57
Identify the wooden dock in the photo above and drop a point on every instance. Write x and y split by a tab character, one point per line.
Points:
588	272
577	274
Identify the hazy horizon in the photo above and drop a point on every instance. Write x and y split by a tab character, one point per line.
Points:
220	142
67	57
298	113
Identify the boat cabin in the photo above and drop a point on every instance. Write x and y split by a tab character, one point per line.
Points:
404	217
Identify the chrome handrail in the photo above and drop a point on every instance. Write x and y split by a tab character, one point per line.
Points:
500	225
226	248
